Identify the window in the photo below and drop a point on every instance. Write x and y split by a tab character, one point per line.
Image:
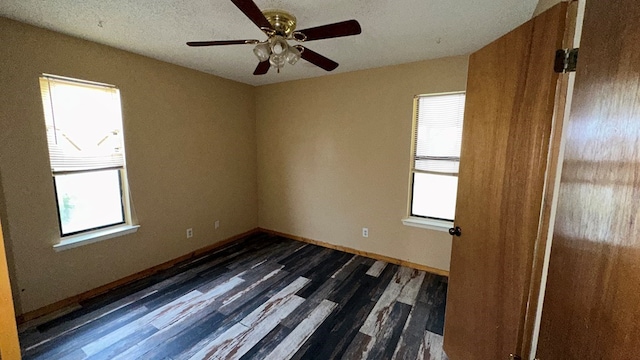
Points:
437	137
86	150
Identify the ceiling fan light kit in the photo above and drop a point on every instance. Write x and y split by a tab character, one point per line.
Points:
277	51
279	26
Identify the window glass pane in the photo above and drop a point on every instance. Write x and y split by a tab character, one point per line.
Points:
89	200
434	195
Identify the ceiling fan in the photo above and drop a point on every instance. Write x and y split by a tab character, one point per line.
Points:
280	27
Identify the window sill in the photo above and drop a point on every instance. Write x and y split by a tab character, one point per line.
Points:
74	241
432	224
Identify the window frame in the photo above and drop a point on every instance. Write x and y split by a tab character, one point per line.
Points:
428	222
102	232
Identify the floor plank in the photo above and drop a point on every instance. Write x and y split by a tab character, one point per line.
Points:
431	347
355	301
413	332
290	345
262	297
376	268
248	332
381	312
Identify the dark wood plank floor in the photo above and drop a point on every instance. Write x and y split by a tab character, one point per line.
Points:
264	297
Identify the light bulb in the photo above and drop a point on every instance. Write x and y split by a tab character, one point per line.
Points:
279	45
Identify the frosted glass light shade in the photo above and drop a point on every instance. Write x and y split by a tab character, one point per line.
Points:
262	51
293	55
279	45
277	61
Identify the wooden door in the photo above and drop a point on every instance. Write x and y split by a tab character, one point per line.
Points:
511	92
592	301
9	348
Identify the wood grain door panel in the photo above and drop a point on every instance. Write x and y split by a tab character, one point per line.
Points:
9	347
592	300
509	108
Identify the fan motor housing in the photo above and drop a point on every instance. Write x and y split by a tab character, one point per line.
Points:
282	22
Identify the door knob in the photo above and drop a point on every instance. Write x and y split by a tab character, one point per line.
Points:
455	231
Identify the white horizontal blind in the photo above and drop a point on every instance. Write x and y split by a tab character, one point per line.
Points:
438	133
84	125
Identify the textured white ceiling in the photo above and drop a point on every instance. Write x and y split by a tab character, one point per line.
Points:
393	32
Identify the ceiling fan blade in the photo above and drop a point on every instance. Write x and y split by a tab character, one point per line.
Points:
318	60
262	68
251	10
221	42
344	28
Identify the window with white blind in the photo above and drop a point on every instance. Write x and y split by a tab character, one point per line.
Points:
437	137
86	151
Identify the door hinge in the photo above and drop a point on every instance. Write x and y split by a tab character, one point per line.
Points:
566	60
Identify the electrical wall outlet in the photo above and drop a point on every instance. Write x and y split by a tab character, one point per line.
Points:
365	232
217	224
189	233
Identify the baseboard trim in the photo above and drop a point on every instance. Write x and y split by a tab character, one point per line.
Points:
360	252
74	300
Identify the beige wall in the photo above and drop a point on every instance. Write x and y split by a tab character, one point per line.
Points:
191	154
333	157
